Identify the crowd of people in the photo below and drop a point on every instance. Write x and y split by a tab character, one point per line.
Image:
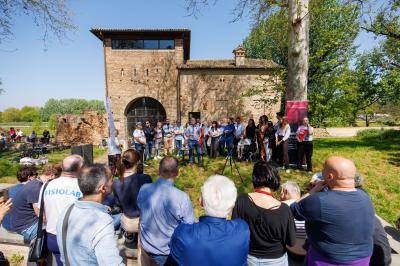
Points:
17	135
83	206
265	141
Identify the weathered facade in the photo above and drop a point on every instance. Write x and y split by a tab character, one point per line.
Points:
149	75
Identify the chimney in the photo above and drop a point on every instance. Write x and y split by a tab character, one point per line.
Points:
239	55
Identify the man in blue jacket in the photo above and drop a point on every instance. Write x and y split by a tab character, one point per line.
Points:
214	240
228	134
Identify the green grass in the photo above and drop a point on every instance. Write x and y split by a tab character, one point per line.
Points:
8	169
376	155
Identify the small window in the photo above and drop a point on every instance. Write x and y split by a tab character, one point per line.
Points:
167	44
150	44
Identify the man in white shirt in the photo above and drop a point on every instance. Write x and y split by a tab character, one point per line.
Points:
114	152
139	139
60	193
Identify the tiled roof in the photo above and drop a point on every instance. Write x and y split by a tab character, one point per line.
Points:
229	64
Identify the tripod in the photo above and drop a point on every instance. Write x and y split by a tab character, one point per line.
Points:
232	163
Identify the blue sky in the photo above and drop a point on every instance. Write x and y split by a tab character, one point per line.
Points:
32	74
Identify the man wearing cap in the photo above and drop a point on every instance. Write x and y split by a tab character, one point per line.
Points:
330	216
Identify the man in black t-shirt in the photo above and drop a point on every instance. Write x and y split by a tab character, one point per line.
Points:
149	133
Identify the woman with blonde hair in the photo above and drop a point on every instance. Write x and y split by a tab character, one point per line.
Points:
126	190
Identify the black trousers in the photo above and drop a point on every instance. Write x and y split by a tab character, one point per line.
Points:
305	148
283	155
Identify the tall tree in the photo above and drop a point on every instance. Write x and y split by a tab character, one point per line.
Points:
333	28
298	27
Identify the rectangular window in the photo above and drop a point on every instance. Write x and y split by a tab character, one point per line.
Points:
143	44
167	44
150	44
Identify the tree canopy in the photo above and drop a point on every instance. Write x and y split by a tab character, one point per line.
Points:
341	83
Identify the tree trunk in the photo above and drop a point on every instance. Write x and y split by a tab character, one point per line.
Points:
366	120
298	50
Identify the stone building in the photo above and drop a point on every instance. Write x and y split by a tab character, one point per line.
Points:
149	75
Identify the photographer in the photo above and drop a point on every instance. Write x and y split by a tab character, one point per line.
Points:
227	136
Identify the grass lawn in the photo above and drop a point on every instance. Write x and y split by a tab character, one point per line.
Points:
376	155
8	169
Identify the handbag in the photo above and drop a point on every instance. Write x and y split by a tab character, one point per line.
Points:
38	249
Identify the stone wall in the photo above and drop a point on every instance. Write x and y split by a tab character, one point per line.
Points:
132	74
89	128
217	93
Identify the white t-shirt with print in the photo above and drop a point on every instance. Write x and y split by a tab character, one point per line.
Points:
59	193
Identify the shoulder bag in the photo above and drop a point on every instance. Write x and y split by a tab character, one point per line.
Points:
38	248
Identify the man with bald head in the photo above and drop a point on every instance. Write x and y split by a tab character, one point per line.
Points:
338	217
58	194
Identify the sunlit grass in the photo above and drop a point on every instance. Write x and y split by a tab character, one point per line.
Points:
377	159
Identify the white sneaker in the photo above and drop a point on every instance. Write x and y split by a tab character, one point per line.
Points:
288	171
145	164
159	157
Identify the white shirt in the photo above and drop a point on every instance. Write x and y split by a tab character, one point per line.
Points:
307	130
60	192
139	134
285	132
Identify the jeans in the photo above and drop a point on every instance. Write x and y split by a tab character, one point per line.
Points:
178	146
194	144
253	261
31	232
117	220
158	147
228	142
159	259
53	247
147	152
138	147
268	152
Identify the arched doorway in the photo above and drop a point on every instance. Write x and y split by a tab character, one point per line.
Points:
141	109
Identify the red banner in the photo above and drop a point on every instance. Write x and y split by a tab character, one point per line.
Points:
296	111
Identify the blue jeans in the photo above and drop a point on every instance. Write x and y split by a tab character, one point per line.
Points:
31	232
138	147
254	261
117	220
178	146
53	248
228	142
147	151
159	259
194	144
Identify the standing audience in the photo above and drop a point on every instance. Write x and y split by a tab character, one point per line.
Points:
158	141
200	243
162	208
271	222
139	139
168	133
282	141
179	132
304	137
85	231
60	193
339	218
149	133
214	134
193	133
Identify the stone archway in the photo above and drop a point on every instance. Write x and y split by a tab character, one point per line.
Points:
142	109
